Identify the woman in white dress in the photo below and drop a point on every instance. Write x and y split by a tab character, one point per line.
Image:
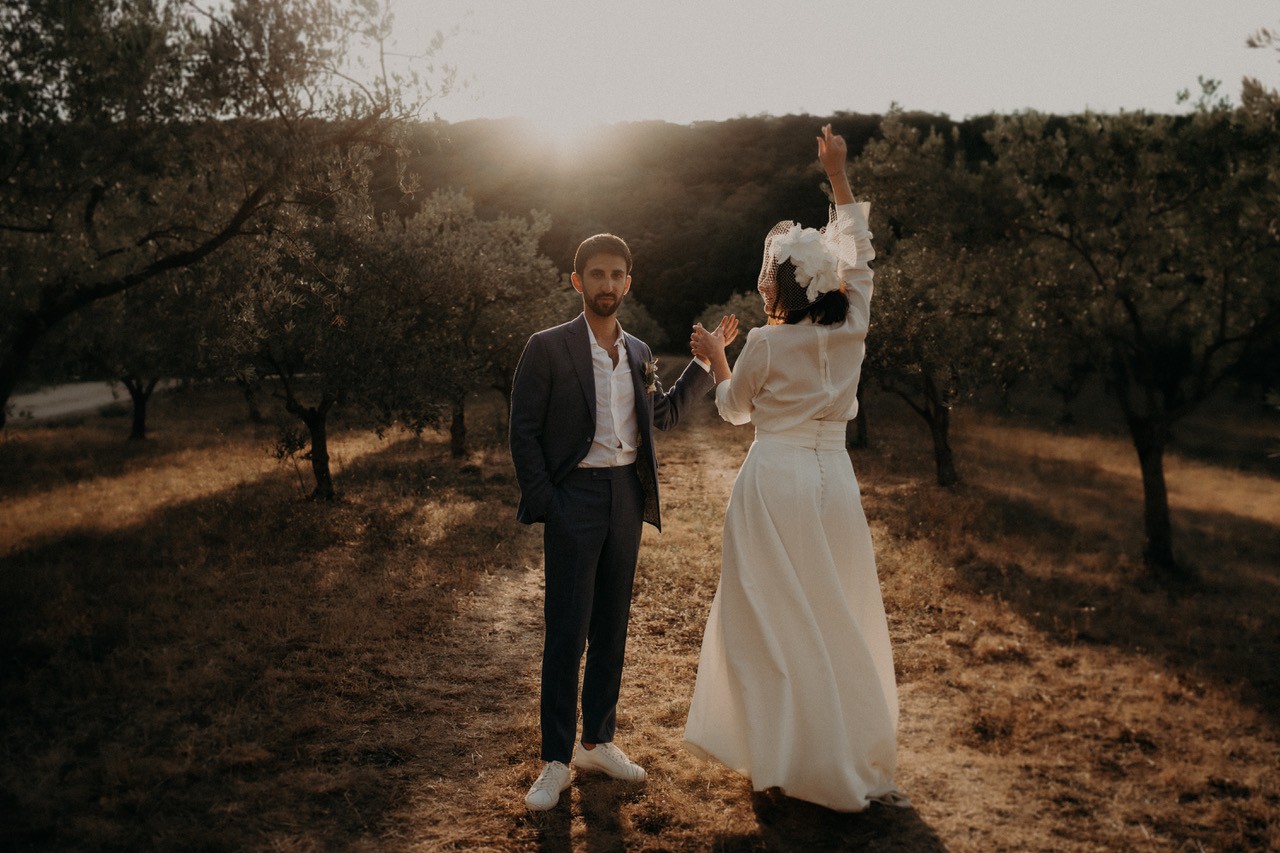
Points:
795	684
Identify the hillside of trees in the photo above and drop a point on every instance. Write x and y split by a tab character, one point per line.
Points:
692	201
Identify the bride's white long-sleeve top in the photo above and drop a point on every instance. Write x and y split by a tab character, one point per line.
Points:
775	384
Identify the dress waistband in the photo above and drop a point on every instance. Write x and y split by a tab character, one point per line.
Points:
814	435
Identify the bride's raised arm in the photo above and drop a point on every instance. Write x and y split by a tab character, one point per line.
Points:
833	153
851	225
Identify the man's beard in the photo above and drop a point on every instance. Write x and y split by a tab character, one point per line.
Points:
606	307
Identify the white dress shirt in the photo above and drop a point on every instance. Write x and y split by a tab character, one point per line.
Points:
617	431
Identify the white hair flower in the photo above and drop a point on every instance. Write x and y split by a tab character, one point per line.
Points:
815	264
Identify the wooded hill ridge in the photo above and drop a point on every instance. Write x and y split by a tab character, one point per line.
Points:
692	201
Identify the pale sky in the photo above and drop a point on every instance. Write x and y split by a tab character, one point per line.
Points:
573	63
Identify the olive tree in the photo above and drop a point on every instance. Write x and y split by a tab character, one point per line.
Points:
140	137
481	287
143	335
1158	244
395	320
308	321
941	323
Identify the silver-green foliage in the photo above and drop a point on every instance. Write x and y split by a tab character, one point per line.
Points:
397	321
1156	247
139	137
942	319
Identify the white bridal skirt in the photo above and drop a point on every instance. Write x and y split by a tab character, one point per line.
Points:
795	684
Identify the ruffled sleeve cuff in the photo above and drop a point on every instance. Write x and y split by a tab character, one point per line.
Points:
853	217
854	230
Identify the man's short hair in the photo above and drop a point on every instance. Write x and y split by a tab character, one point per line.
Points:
601	244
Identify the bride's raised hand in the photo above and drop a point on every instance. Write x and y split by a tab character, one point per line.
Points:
832	151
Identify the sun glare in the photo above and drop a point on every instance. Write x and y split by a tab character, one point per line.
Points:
568	135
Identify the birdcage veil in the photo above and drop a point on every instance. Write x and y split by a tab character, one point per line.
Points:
801	264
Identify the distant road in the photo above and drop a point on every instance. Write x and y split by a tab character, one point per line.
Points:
69	399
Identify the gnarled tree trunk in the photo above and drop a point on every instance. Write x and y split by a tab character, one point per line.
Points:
250	392
140	393
319	456
13	363
939	419
1150	436
937	414
458	430
315	418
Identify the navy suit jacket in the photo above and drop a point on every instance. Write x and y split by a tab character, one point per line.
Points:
553	414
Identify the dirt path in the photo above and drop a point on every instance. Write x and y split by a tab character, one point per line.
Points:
1014	734
492	725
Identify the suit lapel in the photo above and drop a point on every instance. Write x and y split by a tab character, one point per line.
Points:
579	344
648	460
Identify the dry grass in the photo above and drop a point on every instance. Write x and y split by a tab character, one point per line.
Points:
195	657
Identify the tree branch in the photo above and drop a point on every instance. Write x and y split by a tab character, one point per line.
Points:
47	228
96	193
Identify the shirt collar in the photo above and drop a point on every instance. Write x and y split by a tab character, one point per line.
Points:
619	344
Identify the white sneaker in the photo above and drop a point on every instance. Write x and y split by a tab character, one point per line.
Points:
545	792
608	759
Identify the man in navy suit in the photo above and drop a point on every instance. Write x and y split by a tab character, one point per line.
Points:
584	404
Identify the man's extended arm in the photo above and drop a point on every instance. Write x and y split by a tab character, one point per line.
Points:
669	404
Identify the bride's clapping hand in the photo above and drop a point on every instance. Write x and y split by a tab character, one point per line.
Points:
728	328
704	344
710	345
701	342
726	331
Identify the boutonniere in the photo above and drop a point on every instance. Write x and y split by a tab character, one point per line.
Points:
650	373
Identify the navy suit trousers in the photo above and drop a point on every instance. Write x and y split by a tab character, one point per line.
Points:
591	543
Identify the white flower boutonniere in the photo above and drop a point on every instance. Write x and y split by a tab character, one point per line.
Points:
650	374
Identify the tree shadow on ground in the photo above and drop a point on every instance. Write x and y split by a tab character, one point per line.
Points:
552	832
83	448
1232	429
34	458
599	802
787	824
1213	630
245	670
